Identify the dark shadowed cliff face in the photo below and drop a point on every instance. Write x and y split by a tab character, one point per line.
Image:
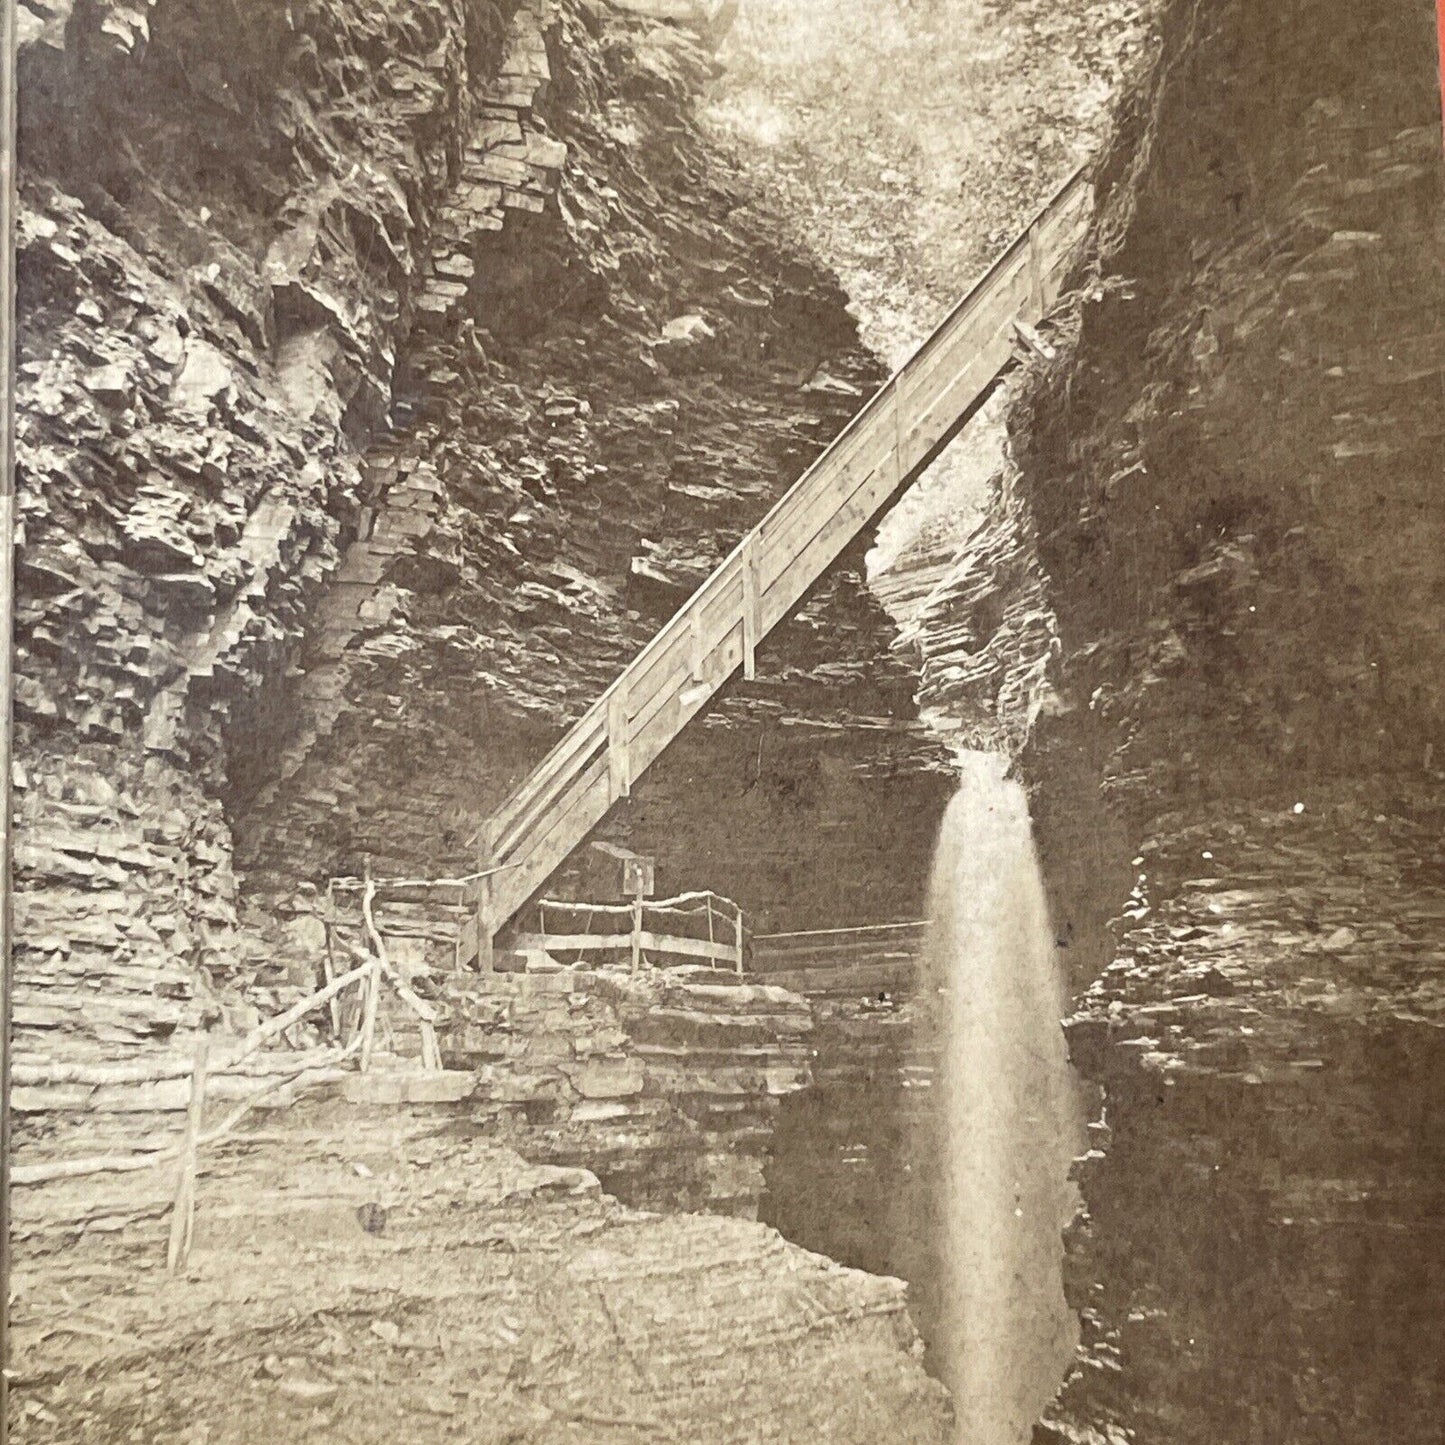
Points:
388	373
1227	513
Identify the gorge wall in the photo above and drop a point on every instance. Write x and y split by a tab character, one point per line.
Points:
1205	612
388	372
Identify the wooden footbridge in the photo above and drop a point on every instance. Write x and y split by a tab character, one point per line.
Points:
883	449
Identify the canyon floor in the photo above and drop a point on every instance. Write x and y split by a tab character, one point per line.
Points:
363	1273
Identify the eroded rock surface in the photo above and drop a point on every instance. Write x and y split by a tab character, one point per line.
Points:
663	1084
385	378
374	1275
1225	514
388	372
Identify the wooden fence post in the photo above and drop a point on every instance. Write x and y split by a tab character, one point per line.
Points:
738	925
329	961
636	932
373	983
183	1211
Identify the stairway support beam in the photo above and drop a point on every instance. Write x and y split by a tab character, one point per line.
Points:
751	617
619	760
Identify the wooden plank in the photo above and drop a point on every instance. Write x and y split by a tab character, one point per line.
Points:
183	1209
466	942
812	935
935	422
581	738
827	487
1036	272
750	610
576	942
764	965
670	660
582	807
870	979
575	753
650	738
861	454
1006	298
824	547
723	952
619	767
697	649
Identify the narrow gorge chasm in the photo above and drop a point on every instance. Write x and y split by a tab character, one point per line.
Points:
390	373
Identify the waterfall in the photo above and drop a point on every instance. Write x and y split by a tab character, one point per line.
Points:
1012	1118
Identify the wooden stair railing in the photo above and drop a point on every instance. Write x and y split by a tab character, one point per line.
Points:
888	443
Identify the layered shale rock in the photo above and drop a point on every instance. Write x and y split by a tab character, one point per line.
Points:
374	1275
663	1084
219	245
387	373
1225	503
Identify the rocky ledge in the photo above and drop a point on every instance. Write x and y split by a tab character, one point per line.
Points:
665	1083
359	1275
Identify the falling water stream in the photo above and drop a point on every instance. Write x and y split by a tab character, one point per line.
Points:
936	1140
1011	1115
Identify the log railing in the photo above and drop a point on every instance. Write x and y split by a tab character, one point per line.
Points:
876	958
701	928
717	631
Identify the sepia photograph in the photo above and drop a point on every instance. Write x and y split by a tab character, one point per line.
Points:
722	722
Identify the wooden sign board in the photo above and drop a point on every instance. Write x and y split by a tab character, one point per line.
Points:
639	876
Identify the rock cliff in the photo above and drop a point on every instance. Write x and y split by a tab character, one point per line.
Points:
387	373
1206	613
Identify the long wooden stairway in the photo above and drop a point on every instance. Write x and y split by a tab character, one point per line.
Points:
892	439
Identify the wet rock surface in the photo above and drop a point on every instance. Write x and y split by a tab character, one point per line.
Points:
664	1084
1207	612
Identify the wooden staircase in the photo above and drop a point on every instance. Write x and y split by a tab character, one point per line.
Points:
909	420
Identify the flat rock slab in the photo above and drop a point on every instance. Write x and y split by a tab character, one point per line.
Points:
447	1290
447	1086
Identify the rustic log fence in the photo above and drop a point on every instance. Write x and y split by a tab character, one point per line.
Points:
875	957
354	1035
698	927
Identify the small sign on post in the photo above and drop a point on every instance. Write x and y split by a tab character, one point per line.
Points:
639	878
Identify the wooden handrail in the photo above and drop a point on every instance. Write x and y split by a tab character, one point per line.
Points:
718	952
820	934
895	435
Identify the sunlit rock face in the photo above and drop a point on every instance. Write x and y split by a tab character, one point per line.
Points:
1224	499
